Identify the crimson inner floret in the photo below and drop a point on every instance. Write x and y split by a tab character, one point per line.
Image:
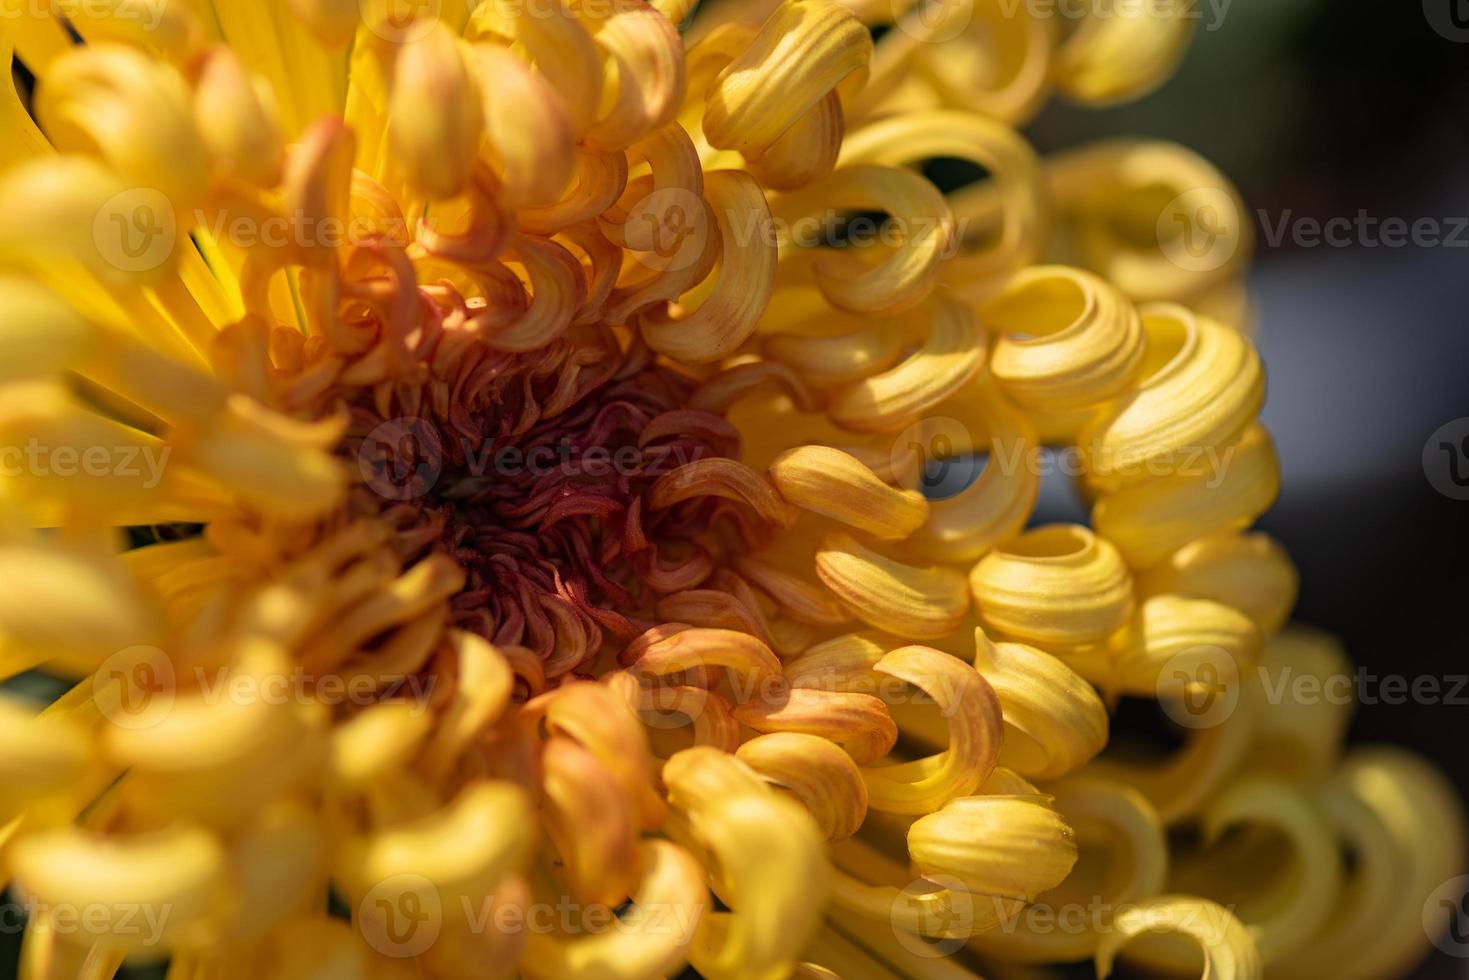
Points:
534	479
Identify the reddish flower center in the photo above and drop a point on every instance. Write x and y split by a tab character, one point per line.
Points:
531	471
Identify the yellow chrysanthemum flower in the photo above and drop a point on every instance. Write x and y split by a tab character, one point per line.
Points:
543	421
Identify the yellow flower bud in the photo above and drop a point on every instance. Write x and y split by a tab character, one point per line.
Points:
133	112
1000	846
236	117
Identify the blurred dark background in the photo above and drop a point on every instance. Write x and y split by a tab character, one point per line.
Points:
1324	108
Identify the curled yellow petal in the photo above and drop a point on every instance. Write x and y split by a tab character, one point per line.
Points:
798	56
1201	232
525	126
377	742
463	849
907	601
1124	52
1286	901
890	274
1399	819
134	112
1149	521
178	878
1185	641
556	43
1054	721
665	651
1017	235
1059	584
859	723
1122	858
800	598
642	44
952	354
482	687
770	861
651	939
1309	682
1066	338
1226	948
727	316
817	773
830	482
843	663
589	822
1250	572
805	152
971	711
435	121
997	504
236	118
1001	846
1179	784
1200	386
823	361
727	478
604	722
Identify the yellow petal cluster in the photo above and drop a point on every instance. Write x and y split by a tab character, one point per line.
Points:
803	692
